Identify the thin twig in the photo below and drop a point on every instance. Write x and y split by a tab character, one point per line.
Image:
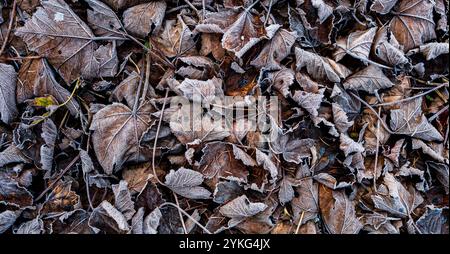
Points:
12	17
268	13
179	212
299	222
374	111
156	137
411	98
377	133
436	115
58	177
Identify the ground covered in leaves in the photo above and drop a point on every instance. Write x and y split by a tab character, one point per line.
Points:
88	143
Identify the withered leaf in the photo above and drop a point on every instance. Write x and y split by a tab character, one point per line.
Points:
309	101
49	134
37	78
398	201
8	78
32	227
307	201
61	199
383	6
107	218
103	20
12	154
226	191
199	90
243	34
7	219
122	199
56	32
369	79
348	145
409	120
340	118
434	221
240	208
219	162
320	68
117	131
338	212
387	48
293	150
357	44
413	23
279	47
11	193
185	182
441	171
175	38
434	49
143	19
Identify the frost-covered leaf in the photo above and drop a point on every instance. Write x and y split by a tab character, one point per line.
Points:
307	201
104	20
369	79
122	199
7	219
175	38
398	201
340	118
143	19
37	79
49	134
309	101
320	68
185	182
413	23
57	33
383	6
243	34
240	208
433	49
434	221
357	44
117	131
108	219
279	47
11	193
338	212
8	78
32	227
348	145
409	120
293	150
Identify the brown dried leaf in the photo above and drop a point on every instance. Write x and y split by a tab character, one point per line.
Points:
117	133
338	212
144	19
413	23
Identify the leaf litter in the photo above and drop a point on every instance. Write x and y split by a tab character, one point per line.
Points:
90	143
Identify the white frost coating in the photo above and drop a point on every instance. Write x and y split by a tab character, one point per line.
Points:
59	16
